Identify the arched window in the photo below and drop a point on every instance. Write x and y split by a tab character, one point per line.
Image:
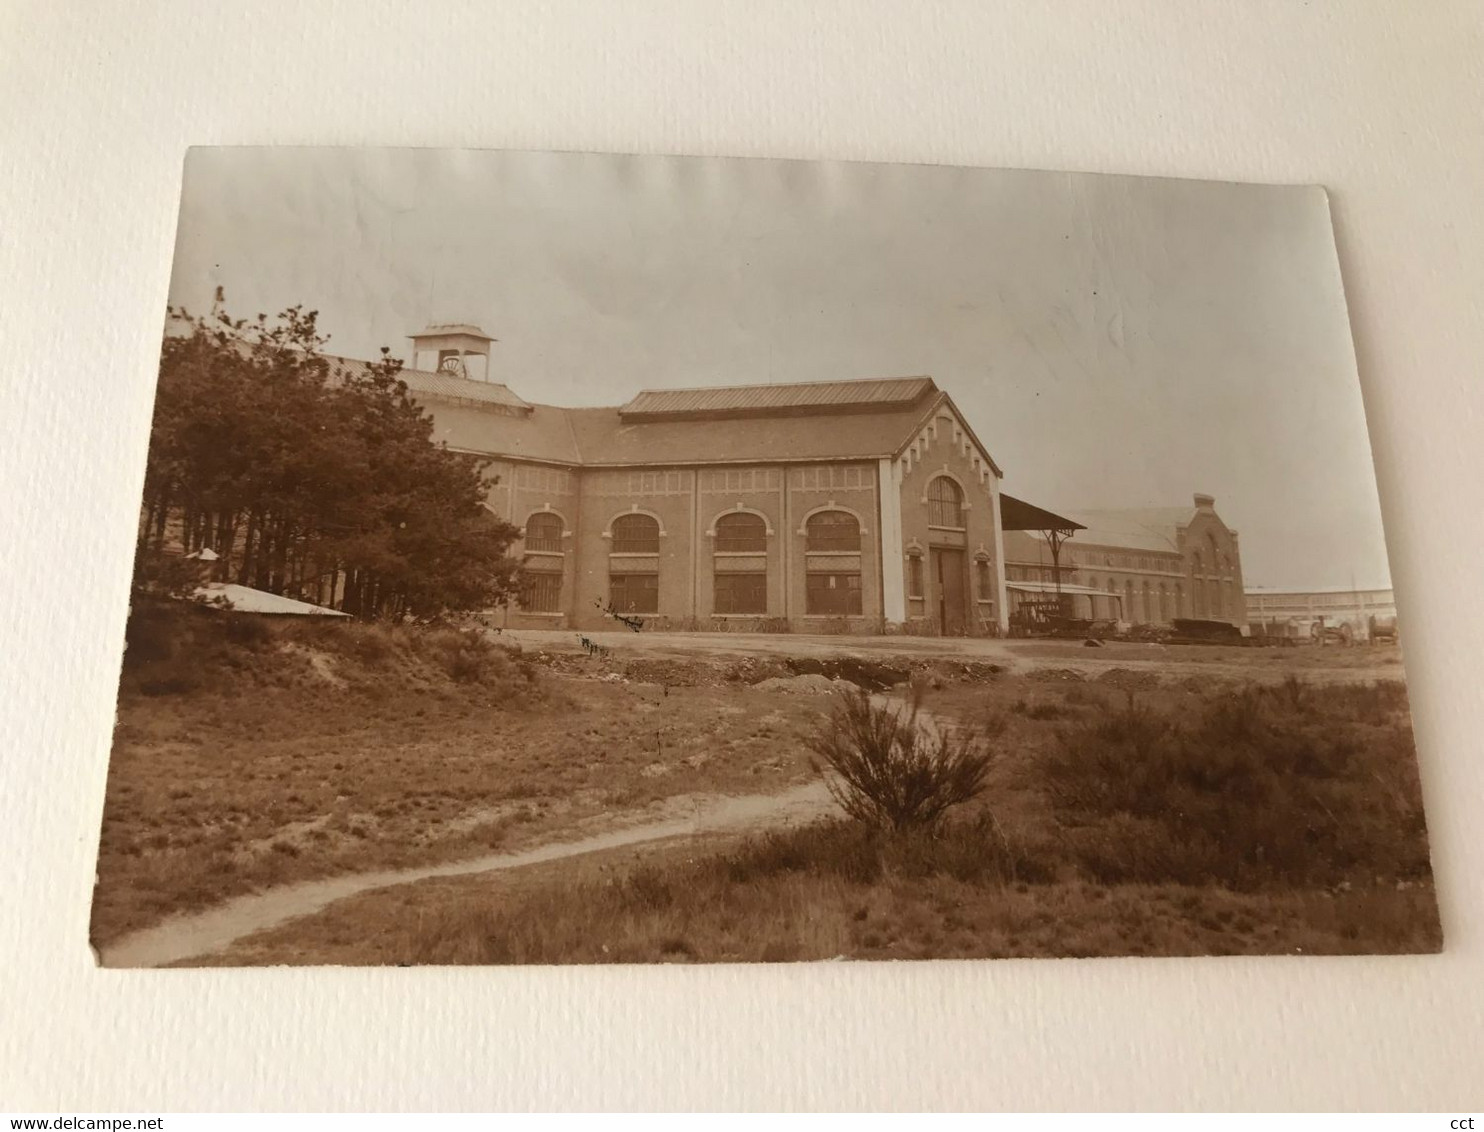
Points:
544	531
740	585
1128	601
741	531
1164	603
1150	614
1179	600
945	503
832	530
636	534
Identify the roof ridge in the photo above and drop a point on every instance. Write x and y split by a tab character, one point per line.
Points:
784	384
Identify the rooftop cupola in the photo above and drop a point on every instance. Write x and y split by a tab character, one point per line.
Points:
457	348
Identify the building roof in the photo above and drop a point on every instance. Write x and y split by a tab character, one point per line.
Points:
608	437
1147	528
868	420
1268	591
439	329
245	599
442	385
781	400
605	436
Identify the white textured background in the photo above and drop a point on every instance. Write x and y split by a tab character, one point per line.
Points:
1379	101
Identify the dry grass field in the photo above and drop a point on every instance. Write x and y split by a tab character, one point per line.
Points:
249	758
1134	806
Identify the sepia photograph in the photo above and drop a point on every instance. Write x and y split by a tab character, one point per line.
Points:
561	558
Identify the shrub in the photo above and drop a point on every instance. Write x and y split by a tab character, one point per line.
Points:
974	850
1260	786
844	850
246	629
469	657
894	771
150	633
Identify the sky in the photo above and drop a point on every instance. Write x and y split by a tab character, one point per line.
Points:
1113	341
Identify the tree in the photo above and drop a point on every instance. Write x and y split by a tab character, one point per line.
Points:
314	477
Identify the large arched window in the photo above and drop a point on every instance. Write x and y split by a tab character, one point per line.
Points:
832	530
832	588
740	582
945	503
636	534
544	531
741	531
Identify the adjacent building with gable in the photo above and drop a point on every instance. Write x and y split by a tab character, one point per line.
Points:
1142	566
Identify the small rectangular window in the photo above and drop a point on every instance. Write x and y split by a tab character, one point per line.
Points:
914	575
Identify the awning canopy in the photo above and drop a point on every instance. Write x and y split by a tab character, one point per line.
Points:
1018	515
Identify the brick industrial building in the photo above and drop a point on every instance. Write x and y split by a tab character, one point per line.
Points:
1145	567
861	506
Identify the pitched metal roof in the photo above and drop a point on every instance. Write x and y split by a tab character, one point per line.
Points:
440	328
542	434
453	388
245	599
769	400
1147	528
444	386
605	437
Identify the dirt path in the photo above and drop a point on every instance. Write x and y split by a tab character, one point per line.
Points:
200	933
1017	657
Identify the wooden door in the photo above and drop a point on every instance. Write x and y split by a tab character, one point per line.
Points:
950	588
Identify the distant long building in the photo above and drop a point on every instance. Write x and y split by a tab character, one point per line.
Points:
1293	613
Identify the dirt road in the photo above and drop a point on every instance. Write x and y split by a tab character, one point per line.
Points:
185	937
1368	662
